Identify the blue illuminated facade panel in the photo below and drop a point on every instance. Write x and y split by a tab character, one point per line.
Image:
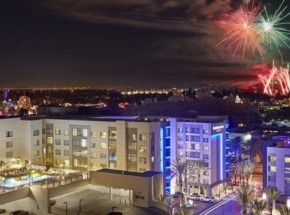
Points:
227	152
165	155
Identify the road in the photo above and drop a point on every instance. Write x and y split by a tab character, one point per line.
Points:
228	206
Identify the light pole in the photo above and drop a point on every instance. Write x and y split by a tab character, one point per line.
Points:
80	205
65	207
288	203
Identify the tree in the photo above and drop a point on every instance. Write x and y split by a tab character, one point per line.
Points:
283	210
272	194
30	175
178	167
2	164
199	167
253	148
236	145
258	206
245	169
245	194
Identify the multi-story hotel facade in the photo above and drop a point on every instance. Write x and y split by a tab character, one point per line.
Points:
123	143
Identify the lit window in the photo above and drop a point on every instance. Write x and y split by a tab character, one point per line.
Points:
272	158
36	153
142	137
205	148
103	156
142	148
287	159
142	160
103	145
93	134
57	131
103	134
272	168
65	132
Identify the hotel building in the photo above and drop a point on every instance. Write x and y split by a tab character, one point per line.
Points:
121	143
276	170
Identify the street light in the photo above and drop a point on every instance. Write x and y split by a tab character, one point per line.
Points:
264	196
80	205
65	207
288	202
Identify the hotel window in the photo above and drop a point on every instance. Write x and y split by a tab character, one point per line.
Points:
180	138
103	156
36	153
9	154
112	165
196	146
9	133
179	130
57	161
195	130
66	152
57	142
93	145
103	134
57	151
93	134
79	132
195	138
142	160
9	144
49	131
35	132
36	142
112	134
205	131
179	146
112	145
272	158
112	156
132	157
206	173
287	159
272	178
272	168
142	148
205	140
103	145
43	131
94	155
132	137
205	181
142	137
132	146
205	156
205	148
65	132
49	140
80	143
132	168
103	166
142	170
66	142
57	131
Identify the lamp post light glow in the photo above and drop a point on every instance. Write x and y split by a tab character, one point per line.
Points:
264	196
288	202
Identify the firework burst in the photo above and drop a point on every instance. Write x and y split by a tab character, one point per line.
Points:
272	28
241	33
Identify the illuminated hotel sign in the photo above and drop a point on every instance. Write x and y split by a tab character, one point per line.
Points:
218	128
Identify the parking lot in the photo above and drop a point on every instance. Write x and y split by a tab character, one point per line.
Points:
97	203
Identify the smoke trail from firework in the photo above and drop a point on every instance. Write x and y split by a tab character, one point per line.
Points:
241	33
272	28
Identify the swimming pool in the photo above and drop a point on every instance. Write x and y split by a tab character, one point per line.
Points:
12	182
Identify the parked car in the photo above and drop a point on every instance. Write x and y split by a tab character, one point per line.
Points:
19	212
178	195
194	196
207	199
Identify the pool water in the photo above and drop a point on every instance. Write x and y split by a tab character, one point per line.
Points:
12	182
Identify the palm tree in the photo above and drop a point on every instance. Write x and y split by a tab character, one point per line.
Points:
258	206
272	194
178	167
253	148
236	145
245	169
199	167
2	164
245	194
189	168
283	210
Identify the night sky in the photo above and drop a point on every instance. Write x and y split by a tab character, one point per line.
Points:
119	43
